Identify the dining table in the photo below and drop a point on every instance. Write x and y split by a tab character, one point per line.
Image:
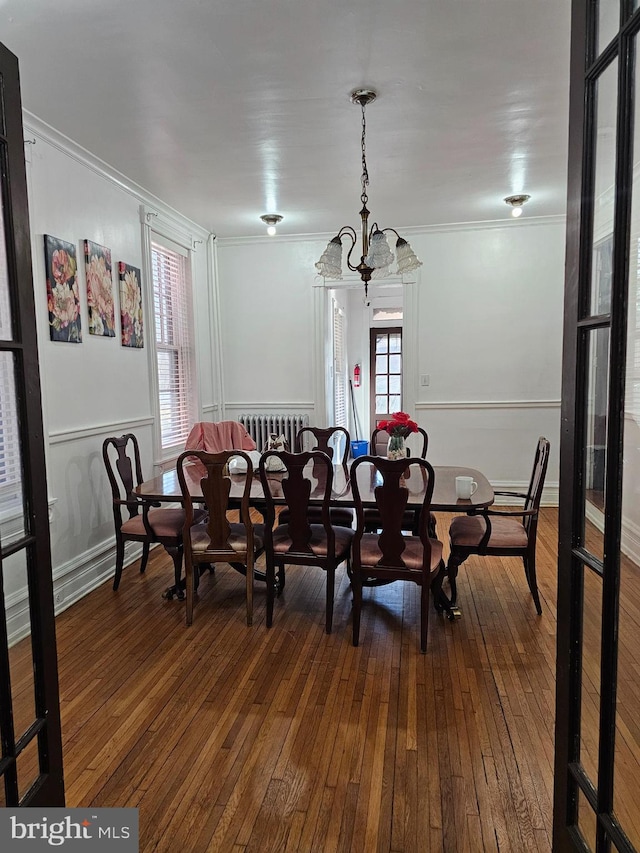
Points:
165	488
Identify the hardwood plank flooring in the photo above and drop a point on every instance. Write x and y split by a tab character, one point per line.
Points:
230	738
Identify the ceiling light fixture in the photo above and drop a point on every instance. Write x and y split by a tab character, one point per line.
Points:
271	220
516	202
376	255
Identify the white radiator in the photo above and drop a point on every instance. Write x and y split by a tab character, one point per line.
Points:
260	427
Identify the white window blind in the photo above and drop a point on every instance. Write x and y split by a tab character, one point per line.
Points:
174	343
339	369
10	456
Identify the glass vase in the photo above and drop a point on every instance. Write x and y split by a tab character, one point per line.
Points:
396	448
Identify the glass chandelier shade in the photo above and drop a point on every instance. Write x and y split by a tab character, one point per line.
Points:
376	257
330	264
406	257
380	256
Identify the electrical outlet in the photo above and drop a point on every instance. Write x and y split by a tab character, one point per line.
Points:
425	379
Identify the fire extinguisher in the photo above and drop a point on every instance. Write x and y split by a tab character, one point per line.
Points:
356	376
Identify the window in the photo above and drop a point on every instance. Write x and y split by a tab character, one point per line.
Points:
386	373
10	459
171	277
339	368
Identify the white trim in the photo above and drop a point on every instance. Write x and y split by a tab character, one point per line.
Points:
409	323
100	429
411	230
488	404
168	229
267	408
35	125
550	492
210	407
630	544
215	318
71	582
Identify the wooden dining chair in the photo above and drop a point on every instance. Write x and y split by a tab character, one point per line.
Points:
215	539
335	442
164	525
503	533
390	555
410	521
300	541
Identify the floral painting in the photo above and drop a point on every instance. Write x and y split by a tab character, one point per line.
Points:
97	261
62	290
130	305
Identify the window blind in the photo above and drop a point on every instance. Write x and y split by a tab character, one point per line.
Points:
174	343
10	456
339	369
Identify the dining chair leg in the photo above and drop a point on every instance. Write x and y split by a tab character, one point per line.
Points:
175	552
271	580
530	572
250	578
331	580
356	587
455	561
145	556
119	561
188	571
424	615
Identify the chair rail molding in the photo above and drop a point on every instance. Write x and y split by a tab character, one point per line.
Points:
78	433
427	405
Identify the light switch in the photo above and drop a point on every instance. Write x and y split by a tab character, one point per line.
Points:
424	379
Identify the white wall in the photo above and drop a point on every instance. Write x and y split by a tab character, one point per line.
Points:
488	313
268	330
97	388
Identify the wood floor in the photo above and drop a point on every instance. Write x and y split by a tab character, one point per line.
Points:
230	738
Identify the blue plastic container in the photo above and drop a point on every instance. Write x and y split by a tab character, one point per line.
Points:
359	448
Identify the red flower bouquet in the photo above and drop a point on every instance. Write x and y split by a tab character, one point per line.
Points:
399	424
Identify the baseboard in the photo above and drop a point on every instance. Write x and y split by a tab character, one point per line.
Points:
550	493
71	582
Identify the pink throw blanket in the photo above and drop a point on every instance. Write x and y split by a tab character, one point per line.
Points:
215	437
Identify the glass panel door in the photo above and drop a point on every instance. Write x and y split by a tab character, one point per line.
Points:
597	762
31	763
386	373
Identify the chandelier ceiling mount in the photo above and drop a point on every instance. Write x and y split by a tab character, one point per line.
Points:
376	257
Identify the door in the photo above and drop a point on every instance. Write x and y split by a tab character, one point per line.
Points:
597	752
31	763
386	373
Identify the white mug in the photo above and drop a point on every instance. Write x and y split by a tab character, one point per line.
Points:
465	487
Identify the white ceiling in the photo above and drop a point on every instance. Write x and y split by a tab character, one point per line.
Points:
227	110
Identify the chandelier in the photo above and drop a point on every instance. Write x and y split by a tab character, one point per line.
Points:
376	257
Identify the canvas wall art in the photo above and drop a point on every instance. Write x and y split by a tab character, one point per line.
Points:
130	305
97	262
62	290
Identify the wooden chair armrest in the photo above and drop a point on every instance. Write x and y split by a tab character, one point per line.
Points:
487	513
506	512
512	495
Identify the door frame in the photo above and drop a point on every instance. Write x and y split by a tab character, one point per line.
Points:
47	788
574	558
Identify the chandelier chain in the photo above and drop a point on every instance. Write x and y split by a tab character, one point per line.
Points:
364	198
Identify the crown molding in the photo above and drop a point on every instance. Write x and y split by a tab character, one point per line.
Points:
47	133
411	230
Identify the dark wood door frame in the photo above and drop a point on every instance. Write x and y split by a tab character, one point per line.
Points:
572	782
46	787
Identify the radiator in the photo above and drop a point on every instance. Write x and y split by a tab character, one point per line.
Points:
260	427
